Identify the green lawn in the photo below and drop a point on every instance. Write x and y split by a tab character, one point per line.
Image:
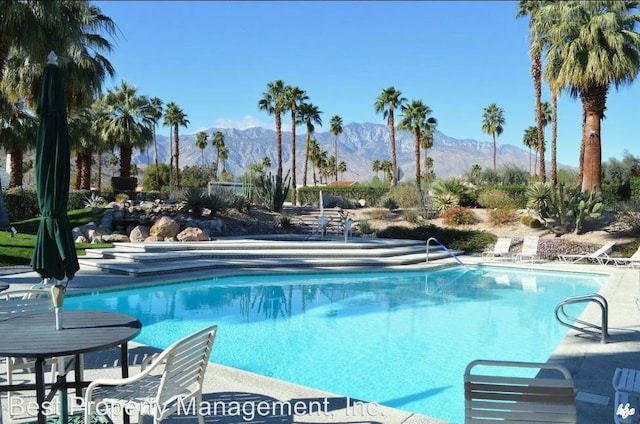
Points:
19	249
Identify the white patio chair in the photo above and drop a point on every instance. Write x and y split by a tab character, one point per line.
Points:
631	261
529	249
599	255
500	250
172	379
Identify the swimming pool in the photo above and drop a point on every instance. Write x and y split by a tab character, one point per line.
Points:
401	339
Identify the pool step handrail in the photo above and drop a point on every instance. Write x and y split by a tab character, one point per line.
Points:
446	249
586	327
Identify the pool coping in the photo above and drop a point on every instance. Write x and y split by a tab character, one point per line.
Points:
590	362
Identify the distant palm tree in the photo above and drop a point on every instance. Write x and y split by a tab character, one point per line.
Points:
272	102
293	97
335	129
315	157
530	140
218	143
309	115
175	117
342	167
589	47
426	142
532	8
415	118
375	166
201	143
387	167
493	123
266	162
155	112
387	102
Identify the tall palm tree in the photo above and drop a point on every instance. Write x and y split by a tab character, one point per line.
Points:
175	117
589	47
201	143
84	138
154	112
415	118
530	139
125	123
387	102
493	123
554	135
335	129
293	97
375	166
531	8
223	154
342	167
315	156
218	143
426	142
272	102
18	129
309	114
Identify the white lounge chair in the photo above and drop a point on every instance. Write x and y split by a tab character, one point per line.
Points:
493	397
633	260
171	381
529	249
500	250
599	255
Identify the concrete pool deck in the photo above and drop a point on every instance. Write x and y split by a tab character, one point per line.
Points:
590	362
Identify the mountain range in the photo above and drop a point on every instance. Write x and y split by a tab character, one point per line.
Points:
358	145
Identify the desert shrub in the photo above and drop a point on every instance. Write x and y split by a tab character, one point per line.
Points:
501	216
464	193
388	203
405	195
444	201
459	216
365	227
494	198
628	215
456	239
285	221
240	203
530	221
378	214
551	248
411	216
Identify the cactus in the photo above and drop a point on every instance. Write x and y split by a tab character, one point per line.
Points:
247	186
272	191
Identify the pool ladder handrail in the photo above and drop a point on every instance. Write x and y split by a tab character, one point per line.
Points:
446	249
589	328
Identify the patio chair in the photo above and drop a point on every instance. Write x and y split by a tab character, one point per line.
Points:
626	383
631	261
496	397
529	249
171	381
500	250
600	255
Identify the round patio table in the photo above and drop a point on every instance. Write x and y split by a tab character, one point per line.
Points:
35	336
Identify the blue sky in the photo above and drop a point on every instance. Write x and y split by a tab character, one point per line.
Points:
214	59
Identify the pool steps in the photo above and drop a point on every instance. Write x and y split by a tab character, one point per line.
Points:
142	259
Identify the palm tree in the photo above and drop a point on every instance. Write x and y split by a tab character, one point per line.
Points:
125	123
387	167
155	111
426	142
531	8
84	138
175	118
492	123
218	143
415	118
309	115
375	166
223	154
18	129
530	140
554	135
589	47
335	129
315	156
293	97
201	143
387	102
273	102
342	167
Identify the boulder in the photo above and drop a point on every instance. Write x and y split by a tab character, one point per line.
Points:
165	227
116	238
139	233
152	239
192	234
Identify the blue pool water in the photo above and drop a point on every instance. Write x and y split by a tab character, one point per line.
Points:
401	339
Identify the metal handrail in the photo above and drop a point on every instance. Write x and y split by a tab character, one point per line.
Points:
602	330
446	249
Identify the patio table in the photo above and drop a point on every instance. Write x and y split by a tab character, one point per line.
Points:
35	336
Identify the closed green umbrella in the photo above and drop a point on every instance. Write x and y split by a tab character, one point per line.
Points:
54	255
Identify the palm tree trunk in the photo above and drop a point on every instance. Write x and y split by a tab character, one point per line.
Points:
176	138
78	162
536	70
125	160
554	135
582	145
306	157
279	143
155	143
15	179
416	152
99	171
494	151
335	150
294	200
394	163
594	101
85	170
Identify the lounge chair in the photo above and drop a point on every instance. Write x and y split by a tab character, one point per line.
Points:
172	380
494	397
529	249
599	255
500	250
631	261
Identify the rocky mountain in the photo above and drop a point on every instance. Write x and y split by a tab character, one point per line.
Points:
358	145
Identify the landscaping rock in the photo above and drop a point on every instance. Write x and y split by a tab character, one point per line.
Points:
139	233
165	227
192	234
